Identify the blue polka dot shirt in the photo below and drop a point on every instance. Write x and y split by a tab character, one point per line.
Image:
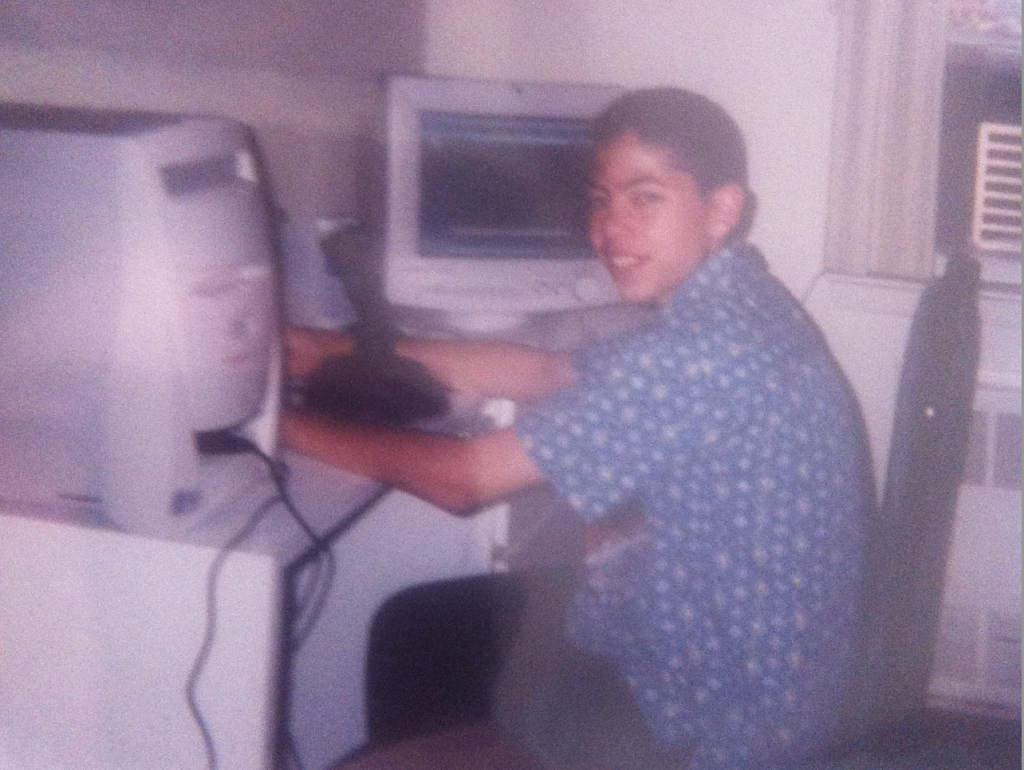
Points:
730	427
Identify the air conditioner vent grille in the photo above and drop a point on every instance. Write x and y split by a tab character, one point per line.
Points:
996	224
997	189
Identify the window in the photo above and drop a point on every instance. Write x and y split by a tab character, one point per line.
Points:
979	186
884	176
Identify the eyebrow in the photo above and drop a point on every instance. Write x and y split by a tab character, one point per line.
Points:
636	181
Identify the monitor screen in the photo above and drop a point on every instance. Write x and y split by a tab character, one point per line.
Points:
498	185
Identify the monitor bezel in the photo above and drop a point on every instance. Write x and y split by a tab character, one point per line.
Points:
460	285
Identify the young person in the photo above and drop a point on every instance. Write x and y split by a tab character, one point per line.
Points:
718	455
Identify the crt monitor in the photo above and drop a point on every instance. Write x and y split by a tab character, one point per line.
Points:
486	221
138	305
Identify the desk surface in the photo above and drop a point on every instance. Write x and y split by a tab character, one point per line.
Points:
323	495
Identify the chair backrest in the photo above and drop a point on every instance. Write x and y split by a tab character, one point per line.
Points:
434	654
908	540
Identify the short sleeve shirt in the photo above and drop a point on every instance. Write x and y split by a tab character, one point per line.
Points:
731	427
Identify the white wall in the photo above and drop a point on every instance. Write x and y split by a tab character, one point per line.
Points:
770	63
304	125
307	79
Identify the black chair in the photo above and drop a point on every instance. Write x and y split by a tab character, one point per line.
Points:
435	651
909	536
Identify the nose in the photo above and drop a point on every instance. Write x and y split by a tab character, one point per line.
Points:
609	222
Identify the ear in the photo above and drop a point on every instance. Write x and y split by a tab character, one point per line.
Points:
725	212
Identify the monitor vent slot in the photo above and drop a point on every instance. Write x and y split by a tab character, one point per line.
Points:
198	176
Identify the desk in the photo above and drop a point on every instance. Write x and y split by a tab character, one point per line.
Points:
99	630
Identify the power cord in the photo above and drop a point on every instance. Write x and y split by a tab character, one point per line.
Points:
317	587
206	647
309	605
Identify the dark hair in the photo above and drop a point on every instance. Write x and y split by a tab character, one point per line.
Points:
704	140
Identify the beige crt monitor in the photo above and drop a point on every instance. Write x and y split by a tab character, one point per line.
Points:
486	222
138	309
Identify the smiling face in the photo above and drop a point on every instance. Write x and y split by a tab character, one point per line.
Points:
650	224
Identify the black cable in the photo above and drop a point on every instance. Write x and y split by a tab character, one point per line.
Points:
299	635
312	602
805	297
306	593
211	626
320	581
310	605
313	597
337	531
309	613
316	597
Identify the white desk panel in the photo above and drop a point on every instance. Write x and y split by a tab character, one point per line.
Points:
98	633
100	629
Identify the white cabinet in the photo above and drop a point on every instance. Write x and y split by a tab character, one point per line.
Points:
100	630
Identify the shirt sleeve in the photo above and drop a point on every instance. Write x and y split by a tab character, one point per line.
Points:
637	405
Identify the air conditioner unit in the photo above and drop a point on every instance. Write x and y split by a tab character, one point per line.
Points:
977	661
996	225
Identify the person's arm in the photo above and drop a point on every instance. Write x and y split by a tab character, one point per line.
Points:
493	370
453	473
306	348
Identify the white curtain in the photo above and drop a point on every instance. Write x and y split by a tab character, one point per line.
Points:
885	141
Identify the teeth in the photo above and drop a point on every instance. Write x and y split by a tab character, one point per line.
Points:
624	261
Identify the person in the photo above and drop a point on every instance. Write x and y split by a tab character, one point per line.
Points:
718	455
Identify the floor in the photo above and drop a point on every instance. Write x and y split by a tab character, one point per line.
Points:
472	747
938	741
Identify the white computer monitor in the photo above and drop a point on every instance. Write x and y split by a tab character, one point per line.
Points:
486	222
138	307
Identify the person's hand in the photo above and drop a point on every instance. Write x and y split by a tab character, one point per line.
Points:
620	526
306	348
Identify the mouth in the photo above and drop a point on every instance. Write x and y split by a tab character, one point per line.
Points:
623	264
629	272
